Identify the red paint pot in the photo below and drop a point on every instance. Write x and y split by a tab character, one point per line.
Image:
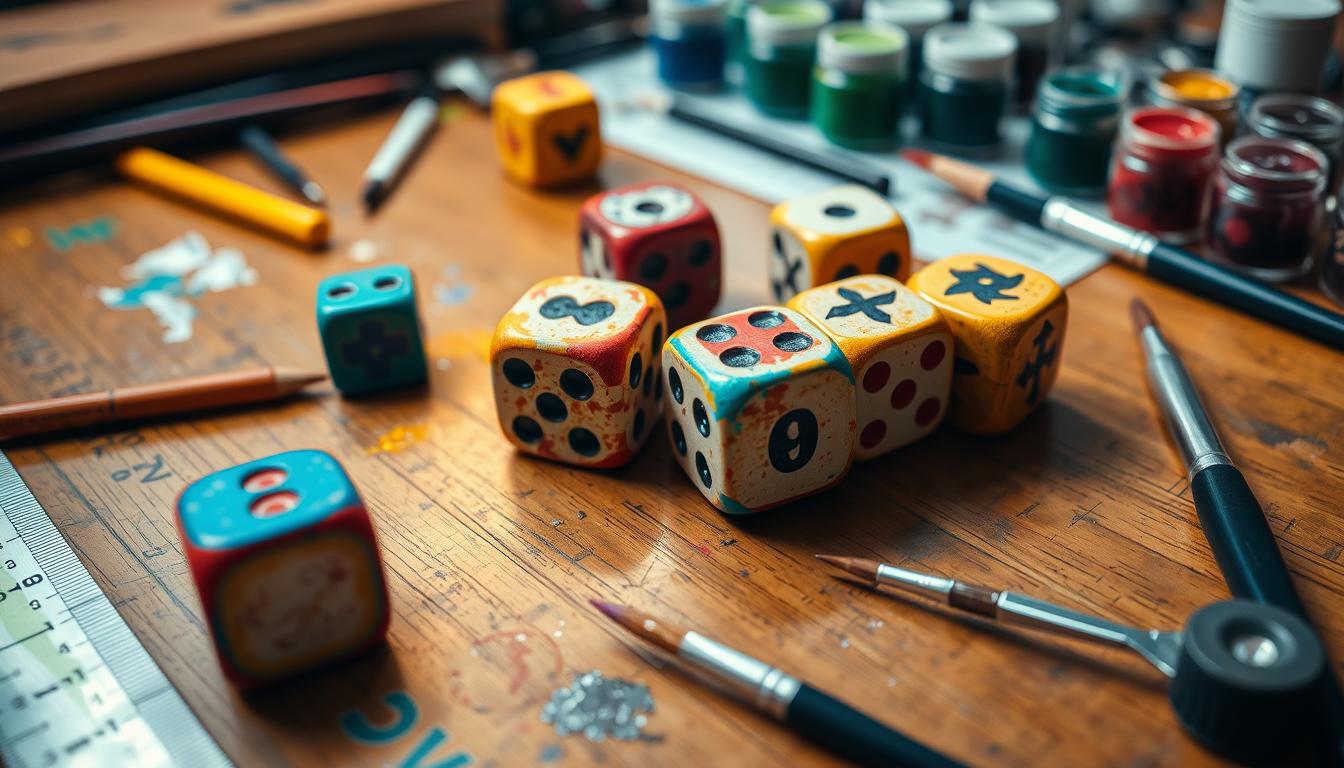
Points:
1163	163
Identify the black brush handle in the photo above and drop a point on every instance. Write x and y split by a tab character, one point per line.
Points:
837	727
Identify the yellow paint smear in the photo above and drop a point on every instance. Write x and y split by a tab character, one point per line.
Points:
399	438
21	237
474	342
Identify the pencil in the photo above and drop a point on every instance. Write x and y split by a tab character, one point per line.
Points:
257	141
1164	261
141	401
417	121
818	717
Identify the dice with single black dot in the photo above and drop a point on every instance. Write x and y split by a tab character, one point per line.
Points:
835	234
1008	321
576	370
286	563
370	327
547	129
760	409
900	348
658	235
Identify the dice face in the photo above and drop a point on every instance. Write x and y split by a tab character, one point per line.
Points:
761	408
833	235
370	327
660	236
1008	321
576	370
547	130
900	348
286	563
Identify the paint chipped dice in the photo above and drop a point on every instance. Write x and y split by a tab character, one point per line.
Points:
900	348
761	408
659	235
576	370
1008	321
286	563
832	235
546	129
370	327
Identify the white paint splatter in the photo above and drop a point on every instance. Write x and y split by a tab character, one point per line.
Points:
185	254
453	290
226	269
363	251
174	313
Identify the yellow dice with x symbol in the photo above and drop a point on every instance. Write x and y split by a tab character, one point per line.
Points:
547	129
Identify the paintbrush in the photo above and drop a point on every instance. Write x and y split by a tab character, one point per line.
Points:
1138	249
826	721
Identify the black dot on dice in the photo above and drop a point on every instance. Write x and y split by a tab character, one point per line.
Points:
677	294
519	373
678	438
576	384
702	467
387	283
653	267
551	407
674	384
650	206
792	341
340	291
527	429
889	263
740	357
847	271
701	250
638	428
715	333
648	380
635	370
657	337
840	211
584	442
766	319
701	417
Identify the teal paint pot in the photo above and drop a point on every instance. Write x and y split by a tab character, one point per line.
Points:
859	83
965	85
736	39
916	17
1073	129
781	50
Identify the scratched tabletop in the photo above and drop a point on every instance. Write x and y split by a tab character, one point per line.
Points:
492	556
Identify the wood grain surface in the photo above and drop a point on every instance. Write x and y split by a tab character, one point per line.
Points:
492	556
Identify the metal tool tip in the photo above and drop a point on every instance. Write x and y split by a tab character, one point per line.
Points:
1141	315
314	192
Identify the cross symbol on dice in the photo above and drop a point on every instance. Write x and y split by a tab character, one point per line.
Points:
790	269
857	303
373	349
1032	371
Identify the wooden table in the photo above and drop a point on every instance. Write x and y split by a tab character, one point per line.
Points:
491	556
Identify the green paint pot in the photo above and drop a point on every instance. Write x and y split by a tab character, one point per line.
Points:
781	49
1073	129
964	86
859	82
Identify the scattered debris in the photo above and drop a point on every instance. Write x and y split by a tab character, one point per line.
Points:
599	707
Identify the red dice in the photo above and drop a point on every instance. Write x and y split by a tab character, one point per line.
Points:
658	235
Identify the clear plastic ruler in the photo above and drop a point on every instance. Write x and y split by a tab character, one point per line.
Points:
76	686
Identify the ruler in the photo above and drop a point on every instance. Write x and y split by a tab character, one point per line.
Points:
76	686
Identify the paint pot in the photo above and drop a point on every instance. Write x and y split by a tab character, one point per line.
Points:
1316	121
859	83
916	17
736	42
1201	89
964	86
1267	217
1161	171
1274	45
781	50
690	37
1033	23
1129	16
1073	128
1332	262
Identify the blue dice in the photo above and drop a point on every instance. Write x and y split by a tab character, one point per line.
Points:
370	327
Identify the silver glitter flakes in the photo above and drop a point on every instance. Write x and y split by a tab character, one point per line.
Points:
599	707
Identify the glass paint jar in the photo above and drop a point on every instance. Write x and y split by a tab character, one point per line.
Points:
736	41
1033	23
781	49
1073	128
1332	262
965	84
690	38
1201	89
1161	171
916	17
1316	121
859	82
1266	216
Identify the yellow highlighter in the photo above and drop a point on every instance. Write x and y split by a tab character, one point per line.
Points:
302	224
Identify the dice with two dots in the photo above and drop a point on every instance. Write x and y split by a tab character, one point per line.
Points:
546	129
658	235
900	348
370	328
286	563
761	408
1008	321
576	370
834	234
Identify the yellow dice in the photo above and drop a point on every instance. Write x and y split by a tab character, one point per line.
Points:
832	235
1009	322
547	129
900	348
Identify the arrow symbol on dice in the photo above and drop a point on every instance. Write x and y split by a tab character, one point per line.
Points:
591	313
857	304
983	283
570	145
1032	371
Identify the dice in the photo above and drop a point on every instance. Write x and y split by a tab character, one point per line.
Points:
658	235
370	328
546	129
576	370
900	348
761	408
1008	321
286	563
832	235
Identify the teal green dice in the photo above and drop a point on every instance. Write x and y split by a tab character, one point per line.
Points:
370	327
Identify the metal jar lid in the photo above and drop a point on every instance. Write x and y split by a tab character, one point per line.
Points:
973	51
1276	45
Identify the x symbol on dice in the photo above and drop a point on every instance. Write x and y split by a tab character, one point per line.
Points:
859	304
791	268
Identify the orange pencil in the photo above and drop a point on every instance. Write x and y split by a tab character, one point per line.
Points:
199	393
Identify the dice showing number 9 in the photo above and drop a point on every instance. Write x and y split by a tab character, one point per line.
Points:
761	408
